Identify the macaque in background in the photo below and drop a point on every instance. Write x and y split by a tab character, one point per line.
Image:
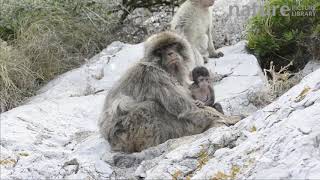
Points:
194	21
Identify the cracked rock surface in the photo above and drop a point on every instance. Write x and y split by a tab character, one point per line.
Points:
243	80
281	141
55	134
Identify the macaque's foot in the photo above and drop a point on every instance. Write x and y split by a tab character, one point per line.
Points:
205	60
220	54
216	55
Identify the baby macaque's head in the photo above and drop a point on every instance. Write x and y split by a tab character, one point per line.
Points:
201	77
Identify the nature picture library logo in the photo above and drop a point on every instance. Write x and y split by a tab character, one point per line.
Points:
264	9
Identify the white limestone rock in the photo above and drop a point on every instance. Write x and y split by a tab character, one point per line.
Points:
244	78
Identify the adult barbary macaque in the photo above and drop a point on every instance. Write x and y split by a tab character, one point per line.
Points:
151	102
194	20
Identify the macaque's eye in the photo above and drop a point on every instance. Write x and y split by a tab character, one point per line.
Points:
158	52
201	79
204	79
179	47
175	46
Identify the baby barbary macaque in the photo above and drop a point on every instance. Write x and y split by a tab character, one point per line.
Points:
194	20
201	89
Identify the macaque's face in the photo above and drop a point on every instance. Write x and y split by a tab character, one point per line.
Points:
207	3
203	82
170	56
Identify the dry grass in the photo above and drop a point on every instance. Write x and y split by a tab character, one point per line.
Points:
16	77
48	38
281	81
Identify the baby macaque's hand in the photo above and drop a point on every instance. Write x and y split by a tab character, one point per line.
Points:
200	104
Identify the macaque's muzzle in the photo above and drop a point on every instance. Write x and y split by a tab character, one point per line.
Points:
172	58
173	62
203	85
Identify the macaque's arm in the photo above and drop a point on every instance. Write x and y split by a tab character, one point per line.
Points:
172	97
211	49
212	97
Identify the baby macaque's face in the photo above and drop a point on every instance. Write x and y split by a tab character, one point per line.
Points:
203	81
207	3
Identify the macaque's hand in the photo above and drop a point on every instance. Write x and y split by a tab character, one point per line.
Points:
216	54
200	104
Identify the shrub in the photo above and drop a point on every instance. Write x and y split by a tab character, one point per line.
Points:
283	39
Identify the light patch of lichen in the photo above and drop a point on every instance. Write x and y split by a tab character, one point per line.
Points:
234	172
220	176
203	158
176	175
253	129
8	162
303	94
23	154
223	176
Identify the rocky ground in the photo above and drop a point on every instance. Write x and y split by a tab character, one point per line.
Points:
54	135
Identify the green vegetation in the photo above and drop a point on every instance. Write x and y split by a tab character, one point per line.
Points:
283	39
45	38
